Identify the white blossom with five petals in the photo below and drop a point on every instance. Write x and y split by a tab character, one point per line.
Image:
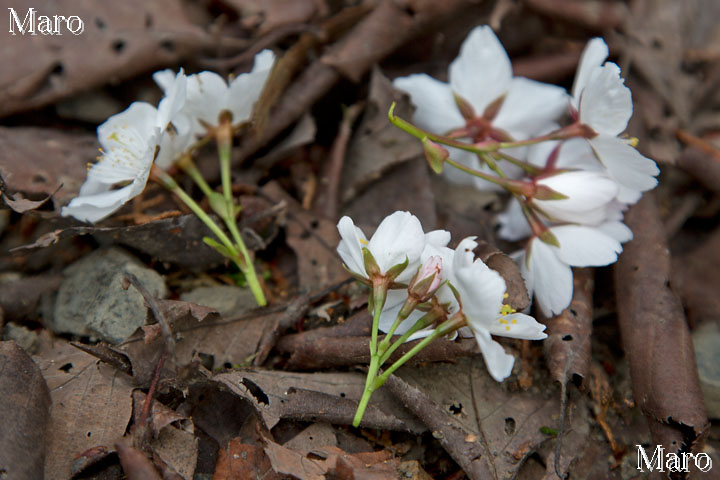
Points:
604	104
503	105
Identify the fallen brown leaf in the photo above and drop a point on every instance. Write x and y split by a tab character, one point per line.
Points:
92	405
25	410
696	277
329	397
119	41
240	460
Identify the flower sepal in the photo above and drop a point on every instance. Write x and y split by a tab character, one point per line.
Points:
435	154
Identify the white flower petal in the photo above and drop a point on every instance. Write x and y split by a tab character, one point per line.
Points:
582	246
435	108
594	54
207	94
529	106
93	208
482	71
498	362
437	238
589	194
350	246
550	278
397	238
617	230
513	224
624	163
518	325
174	100
481	292
606	103
130	129
245	90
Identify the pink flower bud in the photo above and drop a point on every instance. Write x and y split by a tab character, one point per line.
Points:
427	279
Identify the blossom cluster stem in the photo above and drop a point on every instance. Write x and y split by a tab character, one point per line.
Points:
246	265
378	304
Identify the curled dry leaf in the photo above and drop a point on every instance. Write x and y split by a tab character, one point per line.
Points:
37	161
377	145
91	405
135	464
329	397
267	16
313	239
119	40
518	296
568	344
25	410
655	335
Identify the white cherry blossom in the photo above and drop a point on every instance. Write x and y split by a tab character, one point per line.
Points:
398	238
481	291
503	105
547	268
604	104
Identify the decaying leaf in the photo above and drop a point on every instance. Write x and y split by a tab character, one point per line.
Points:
331	462
267	16
655	335
377	145
240	460
119	40
329	397
25	410
568	344
415	196
91	405
495	430
314	241
518	296
36	161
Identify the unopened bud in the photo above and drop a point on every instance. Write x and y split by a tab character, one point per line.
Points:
435	154
427	280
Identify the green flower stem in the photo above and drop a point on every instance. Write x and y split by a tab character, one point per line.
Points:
249	270
571	131
378	303
224	144
496	180
172	185
188	166
442	330
528	167
419	325
385	343
224	147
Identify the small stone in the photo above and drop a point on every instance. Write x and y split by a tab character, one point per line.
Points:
92	301
706	339
226	299
23	336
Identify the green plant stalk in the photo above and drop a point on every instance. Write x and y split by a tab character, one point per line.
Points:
385	343
419	325
374	363
248	269
442	330
169	183
561	134
189	167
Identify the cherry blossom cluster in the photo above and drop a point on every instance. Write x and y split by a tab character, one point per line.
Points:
562	156
420	288
142	142
142	136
